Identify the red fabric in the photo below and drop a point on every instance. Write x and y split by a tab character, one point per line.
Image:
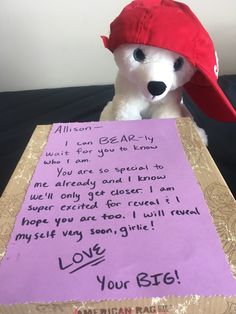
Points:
172	25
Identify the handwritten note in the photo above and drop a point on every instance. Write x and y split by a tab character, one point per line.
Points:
113	211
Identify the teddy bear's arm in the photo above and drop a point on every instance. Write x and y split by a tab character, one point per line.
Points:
128	102
124	108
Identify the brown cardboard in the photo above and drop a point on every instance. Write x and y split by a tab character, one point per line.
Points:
220	202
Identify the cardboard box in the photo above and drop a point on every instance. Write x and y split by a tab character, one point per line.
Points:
220	202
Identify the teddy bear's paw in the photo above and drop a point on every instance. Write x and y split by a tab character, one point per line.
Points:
202	135
120	111
127	113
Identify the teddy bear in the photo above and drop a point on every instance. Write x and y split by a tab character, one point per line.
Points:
149	85
161	49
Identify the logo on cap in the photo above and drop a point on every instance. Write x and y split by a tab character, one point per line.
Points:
216	67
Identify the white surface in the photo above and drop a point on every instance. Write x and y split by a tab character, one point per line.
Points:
55	43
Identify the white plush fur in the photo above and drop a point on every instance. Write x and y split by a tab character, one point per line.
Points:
133	99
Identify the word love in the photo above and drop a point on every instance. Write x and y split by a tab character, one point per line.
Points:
90	257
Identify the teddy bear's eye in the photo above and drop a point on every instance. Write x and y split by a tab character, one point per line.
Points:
179	62
139	55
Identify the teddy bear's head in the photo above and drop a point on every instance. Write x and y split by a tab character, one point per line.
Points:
153	70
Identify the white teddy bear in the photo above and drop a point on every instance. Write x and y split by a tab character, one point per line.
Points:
149	85
161	48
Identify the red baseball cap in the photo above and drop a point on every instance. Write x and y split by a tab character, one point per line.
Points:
173	26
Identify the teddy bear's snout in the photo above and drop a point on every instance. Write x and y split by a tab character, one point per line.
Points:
156	88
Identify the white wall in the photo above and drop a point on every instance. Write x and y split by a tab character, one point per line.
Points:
55	43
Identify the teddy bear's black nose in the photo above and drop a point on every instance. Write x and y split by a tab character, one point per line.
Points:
156	88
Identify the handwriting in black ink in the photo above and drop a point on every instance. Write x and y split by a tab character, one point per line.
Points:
92	256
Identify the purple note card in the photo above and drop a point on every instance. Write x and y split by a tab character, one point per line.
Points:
113	211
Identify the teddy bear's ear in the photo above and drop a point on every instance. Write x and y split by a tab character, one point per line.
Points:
105	41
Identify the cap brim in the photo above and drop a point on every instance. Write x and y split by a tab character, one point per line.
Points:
209	97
